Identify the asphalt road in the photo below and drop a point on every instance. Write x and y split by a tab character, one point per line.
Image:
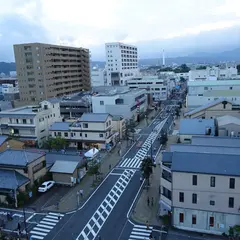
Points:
105	213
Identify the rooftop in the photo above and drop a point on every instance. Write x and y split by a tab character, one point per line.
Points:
60	126
206	163
94	117
196	126
216	141
214	83
11	179
64	167
18	157
205	106
3	139
227	119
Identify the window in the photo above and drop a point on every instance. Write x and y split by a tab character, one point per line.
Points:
212	181
231	202
59	134
101	102
211	221
17	120
31	121
71	134
24	121
80	134
181	197
100	135
212	203
194	219
181	217
194	180
232	183
55	134
85	125
85	135
65	134
194	198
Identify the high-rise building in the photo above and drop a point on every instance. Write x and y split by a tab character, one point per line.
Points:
121	63
46	71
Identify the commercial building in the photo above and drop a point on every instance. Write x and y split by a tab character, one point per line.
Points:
30	123
196	127
214	73
9	92
98	77
92	129
121	63
204	92
131	104
199	185
152	84
45	71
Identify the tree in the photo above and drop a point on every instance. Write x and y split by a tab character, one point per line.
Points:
163	138
56	143
146	168
93	168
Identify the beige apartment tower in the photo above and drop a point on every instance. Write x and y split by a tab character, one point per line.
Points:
46	71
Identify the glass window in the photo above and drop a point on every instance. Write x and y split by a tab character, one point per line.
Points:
232	183
212	181
181	217
231	202
211	221
194	219
181	197
194	198
194	180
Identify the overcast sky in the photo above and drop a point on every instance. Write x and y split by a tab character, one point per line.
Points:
91	23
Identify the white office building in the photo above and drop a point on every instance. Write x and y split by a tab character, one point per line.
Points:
98	77
214	73
30	123
127	103
153	84
204	92
121	63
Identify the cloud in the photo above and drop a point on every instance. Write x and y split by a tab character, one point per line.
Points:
92	23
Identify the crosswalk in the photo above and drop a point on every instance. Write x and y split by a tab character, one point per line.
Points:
45	225
140	232
135	162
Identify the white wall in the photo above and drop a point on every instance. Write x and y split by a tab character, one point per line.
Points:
98	77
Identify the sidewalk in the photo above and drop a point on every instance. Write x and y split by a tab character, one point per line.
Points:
69	201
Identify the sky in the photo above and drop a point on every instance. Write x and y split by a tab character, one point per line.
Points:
92	23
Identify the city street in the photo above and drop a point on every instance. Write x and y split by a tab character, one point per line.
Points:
106	212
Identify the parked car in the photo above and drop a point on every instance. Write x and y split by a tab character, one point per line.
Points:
45	186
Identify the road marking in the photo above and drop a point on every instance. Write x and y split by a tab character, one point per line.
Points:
56	214
41	229
50	220
45	226
36	237
53	217
48	223
116	174
140	232
39	233
106	207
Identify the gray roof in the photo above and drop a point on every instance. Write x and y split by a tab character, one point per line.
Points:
64	167
205	106
206	163
60	126
227	119
216	141
54	100
3	139
51	158
196	126
11	179
18	157
94	117
204	149
117	117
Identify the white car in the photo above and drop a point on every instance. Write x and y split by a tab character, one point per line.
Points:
45	186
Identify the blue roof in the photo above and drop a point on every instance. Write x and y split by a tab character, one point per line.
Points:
11	179
60	126
196	126
167	157
216	141
206	163
18	157
94	117
205	106
3	139
204	149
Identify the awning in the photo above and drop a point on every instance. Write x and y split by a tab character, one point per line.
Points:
165	205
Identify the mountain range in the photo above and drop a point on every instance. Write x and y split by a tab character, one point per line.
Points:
200	57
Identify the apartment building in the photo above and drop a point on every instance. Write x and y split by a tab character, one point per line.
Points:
45	71
199	184
204	92
214	73
121	63
131	104
30	123
152	84
92	129
98	77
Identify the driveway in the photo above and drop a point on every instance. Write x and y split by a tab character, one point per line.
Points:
49	198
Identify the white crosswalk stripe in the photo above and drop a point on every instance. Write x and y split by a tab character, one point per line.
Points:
45	225
140	232
136	161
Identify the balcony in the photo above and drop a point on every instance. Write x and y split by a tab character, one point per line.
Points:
167	175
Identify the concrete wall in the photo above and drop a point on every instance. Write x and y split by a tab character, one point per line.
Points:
231	128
